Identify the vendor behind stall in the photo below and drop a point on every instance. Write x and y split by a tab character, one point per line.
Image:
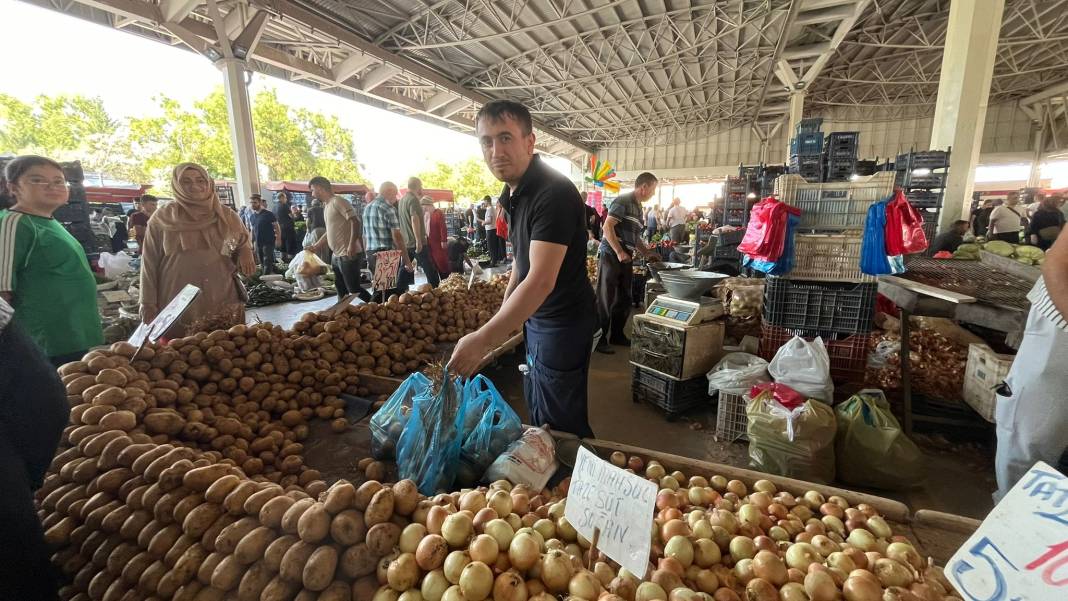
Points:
1032	403
549	293
950	239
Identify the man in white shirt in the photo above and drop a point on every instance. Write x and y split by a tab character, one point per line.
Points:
677	222
1007	220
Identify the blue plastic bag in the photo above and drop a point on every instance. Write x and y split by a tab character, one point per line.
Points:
429	448
388	422
496	427
873	259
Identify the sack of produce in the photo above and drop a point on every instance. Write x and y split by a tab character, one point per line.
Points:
388	422
870	446
742	297
797	443
307	269
531	460
805	367
496	427
736	373
428	451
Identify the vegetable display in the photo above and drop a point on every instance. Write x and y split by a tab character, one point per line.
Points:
1023	253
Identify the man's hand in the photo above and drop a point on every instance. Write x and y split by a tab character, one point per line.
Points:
278	241
468	355
353	250
418	247
408	263
624	257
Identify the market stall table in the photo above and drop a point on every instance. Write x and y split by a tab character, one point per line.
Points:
991	292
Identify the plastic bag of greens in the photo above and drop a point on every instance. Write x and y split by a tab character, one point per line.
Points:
428	451
497	427
797	443
871	448
388	422
736	373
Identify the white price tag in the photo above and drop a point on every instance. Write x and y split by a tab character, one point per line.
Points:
620	504
1020	551
153	330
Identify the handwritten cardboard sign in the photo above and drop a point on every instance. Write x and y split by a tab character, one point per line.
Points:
387	268
153	330
1020	551
618	503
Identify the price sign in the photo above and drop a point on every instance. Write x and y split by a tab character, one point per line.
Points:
616	502
153	330
387	266
1020	552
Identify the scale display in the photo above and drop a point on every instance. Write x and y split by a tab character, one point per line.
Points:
682	312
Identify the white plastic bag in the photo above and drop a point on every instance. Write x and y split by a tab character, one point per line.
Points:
305	282
805	367
736	373
531	460
115	264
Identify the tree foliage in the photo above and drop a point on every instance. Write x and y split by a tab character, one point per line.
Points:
291	143
469	179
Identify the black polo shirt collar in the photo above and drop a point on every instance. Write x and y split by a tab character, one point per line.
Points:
531	177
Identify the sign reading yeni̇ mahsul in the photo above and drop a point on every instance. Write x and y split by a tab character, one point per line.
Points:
1020	551
616	502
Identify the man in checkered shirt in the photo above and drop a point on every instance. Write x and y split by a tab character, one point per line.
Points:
381	229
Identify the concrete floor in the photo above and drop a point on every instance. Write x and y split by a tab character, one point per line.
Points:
959	474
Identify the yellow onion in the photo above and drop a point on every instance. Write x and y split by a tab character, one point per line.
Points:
650	591
820	586
742	547
862	589
792	591
584	585
434	585
455	564
476	581
706	553
768	566
556	571
681	549
759	589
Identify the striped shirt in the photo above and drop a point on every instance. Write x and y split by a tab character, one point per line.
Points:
5	314
379	220
1041	302
628	211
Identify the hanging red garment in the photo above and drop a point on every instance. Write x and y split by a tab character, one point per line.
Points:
437	239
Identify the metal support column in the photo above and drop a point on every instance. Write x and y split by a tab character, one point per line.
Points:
1034	177
242	136
797	107
963	91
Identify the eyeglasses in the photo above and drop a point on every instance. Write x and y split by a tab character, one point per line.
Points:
48	184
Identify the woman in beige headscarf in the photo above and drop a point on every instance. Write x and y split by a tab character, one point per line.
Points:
195	240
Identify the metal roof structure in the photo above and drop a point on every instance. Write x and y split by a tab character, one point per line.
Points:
601	72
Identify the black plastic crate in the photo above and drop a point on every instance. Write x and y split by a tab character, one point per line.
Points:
926	159
807	144
674	397
812	124
843	137
819	307
924	199
730	238
863	167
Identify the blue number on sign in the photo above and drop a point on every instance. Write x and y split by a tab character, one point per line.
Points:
980	551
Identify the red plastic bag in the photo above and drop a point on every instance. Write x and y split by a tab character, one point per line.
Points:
786	396
904	227
765	235
502	225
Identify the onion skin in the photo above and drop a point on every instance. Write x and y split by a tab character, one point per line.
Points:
650	591
759	589
862	589
820	586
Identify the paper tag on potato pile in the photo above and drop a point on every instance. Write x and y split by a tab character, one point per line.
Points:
618	502
1020	551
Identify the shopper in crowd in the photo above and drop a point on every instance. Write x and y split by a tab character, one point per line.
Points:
437	236
315	223
289	243
480	222
34	412
44	273
676	222
950	239
494	244
381	227
549	293
650	224
137	223
413	228
593	220
458	254
195	240
1046	223
1008	220
344	238
245	214
622	240
469	220
297	212
981	218
266	235
1031	414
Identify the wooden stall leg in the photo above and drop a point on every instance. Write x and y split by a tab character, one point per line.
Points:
906	371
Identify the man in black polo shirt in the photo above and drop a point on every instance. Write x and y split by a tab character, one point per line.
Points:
549	294
621	239
265	234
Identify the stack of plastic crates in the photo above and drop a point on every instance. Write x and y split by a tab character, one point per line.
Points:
833	206
806	150
735	202
673	396
840	156
731	419
922	176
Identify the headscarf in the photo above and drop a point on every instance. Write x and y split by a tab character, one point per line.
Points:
197	222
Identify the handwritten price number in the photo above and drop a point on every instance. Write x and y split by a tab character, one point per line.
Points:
988	552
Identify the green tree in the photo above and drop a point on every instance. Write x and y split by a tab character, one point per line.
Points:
468	179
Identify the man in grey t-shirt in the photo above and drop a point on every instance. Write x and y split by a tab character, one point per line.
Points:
410	212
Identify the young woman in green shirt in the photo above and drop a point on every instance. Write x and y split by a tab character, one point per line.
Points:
44	273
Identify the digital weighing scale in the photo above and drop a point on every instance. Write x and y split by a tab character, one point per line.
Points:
684	312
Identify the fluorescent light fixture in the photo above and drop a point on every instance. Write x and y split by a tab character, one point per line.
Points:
751	195
921	172
854	177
